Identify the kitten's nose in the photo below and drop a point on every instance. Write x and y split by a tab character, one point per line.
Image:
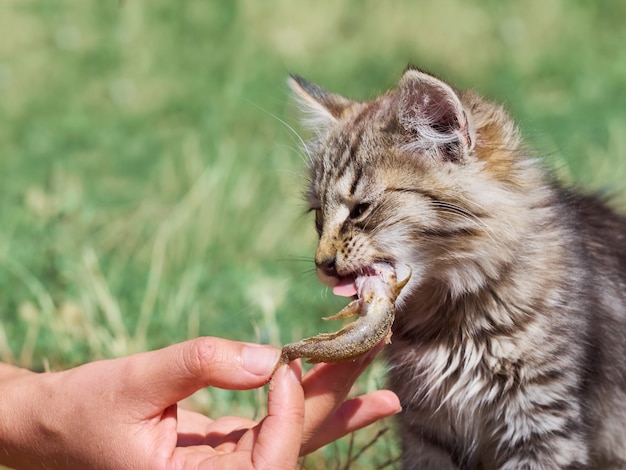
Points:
327	265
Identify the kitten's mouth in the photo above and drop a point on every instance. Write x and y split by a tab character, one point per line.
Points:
348	286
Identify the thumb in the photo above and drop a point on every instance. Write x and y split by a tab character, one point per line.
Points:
168	375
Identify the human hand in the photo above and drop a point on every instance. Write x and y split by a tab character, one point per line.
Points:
122	413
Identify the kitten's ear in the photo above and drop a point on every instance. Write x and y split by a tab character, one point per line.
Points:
431	113
321	107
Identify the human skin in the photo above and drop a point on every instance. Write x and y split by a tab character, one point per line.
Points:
123	413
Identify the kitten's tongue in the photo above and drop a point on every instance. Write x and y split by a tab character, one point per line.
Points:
346	287
380	273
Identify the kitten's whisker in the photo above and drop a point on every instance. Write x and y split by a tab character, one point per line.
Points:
466	214
298	151
486	210
294	132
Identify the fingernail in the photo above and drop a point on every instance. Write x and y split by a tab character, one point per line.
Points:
260	360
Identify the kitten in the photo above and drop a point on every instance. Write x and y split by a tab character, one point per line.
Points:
509	347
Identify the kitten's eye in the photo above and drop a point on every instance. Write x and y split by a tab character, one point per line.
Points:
359	210
319	221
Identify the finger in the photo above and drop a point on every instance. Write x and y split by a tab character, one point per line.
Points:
353	415
225	430
279	435
192	422
168	375
327	386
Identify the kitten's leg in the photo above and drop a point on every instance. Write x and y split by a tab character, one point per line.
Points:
608	433
423	450
420	456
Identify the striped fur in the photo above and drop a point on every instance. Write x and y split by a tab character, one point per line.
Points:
509	347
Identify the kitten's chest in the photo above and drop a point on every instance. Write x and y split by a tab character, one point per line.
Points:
454	369
457	391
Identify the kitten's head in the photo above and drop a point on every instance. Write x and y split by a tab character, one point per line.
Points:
421	177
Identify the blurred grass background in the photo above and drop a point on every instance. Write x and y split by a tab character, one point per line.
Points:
150	192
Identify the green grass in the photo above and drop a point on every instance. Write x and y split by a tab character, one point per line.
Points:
149	191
